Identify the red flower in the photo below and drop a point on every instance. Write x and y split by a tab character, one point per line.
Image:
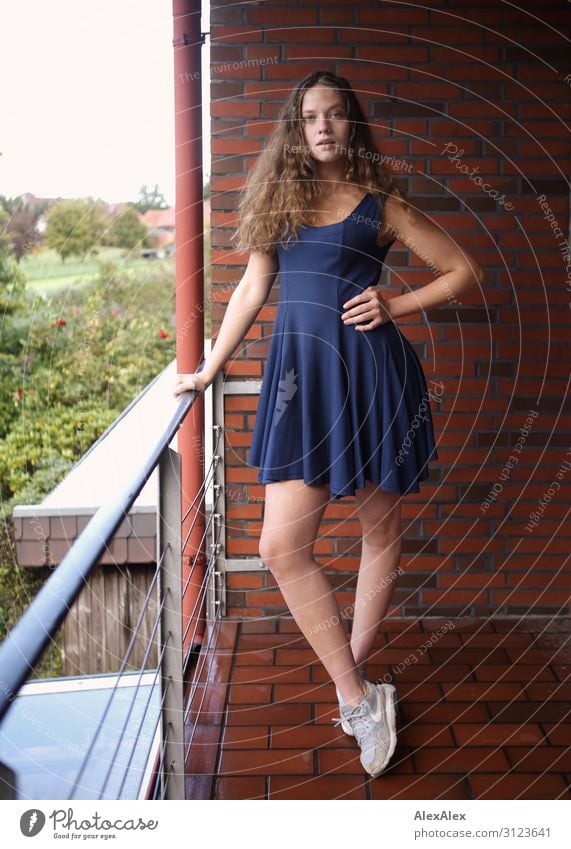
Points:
61	322
19	392
163	334
113	313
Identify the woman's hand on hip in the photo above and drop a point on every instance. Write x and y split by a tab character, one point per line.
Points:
368	306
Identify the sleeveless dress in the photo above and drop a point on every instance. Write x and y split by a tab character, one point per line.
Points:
339	405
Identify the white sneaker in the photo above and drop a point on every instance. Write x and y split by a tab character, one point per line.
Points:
338	720
373	724
345	725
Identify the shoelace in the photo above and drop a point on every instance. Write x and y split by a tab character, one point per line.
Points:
361	722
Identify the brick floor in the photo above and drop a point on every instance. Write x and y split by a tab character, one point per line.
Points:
483	713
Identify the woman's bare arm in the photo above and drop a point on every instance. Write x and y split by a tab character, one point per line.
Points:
247	299
435	247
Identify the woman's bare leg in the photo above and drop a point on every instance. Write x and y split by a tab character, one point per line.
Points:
380	517
292	515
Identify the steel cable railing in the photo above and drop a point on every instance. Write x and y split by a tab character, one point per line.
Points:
194	618
28	639
121	670
101	724
209	573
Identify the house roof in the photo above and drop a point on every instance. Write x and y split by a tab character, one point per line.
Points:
164	219
155	218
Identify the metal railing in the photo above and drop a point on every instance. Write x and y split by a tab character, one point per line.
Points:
31	635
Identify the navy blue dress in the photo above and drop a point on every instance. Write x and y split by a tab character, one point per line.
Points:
339	405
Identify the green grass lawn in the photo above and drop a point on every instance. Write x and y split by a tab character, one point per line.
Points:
46	272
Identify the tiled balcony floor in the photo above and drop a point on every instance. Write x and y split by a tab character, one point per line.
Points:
483	713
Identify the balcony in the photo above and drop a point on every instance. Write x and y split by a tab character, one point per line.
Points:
243	706
482	714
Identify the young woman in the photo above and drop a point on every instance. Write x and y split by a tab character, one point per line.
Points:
344	406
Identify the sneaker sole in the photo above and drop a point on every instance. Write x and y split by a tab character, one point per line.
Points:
390	713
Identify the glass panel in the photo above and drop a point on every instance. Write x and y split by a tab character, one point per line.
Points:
49	728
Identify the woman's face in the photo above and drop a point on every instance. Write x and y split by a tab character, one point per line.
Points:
324	119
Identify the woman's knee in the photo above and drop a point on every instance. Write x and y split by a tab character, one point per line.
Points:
273	549
291	524
379	514
278	553
383	532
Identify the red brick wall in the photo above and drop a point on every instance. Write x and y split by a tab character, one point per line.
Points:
489	79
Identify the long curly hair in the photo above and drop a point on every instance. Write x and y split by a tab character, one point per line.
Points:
281	186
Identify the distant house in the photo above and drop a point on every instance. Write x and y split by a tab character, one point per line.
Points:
30	201
160	225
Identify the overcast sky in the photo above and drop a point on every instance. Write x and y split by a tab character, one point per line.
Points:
86	98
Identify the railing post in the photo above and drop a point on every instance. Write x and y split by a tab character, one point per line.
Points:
218	579
169	524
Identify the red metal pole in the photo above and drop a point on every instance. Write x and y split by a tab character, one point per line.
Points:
189	224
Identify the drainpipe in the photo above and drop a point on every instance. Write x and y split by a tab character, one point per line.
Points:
189	228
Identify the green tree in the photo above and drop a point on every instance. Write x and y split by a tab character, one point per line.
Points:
12	281
83	356
150	199
22	222
74	227
12	295
126	231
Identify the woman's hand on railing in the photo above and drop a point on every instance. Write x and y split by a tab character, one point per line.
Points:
196	381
